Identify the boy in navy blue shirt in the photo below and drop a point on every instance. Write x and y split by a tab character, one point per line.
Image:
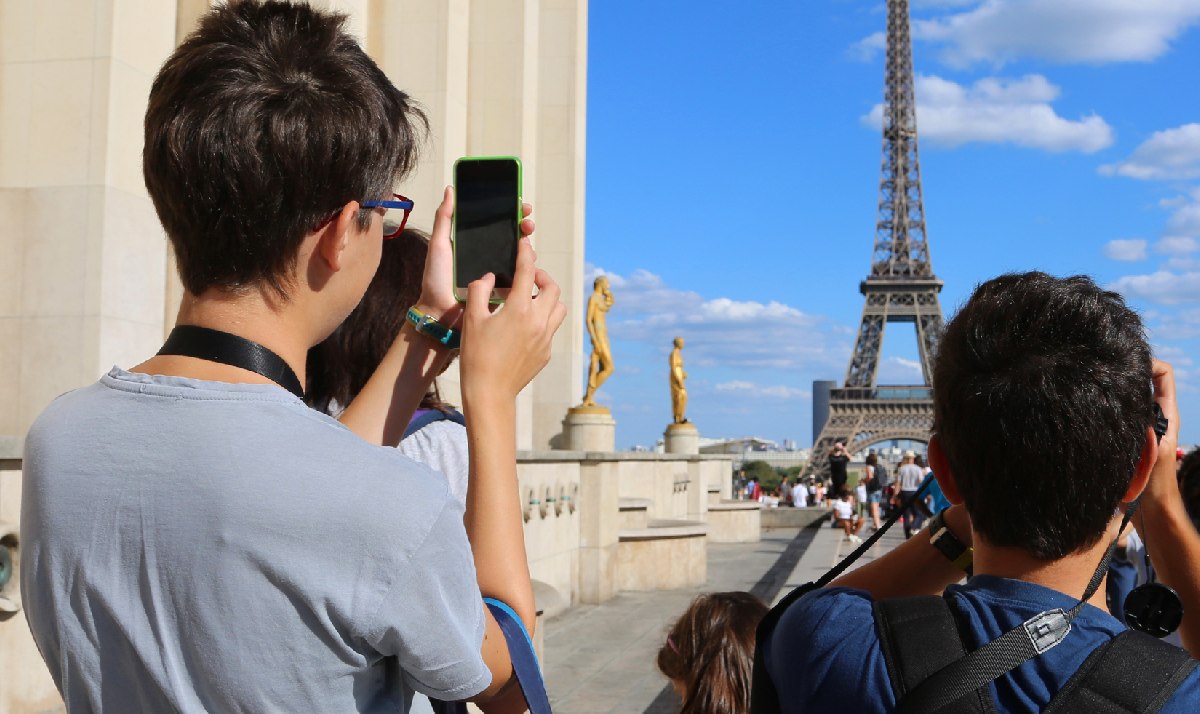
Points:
1031	376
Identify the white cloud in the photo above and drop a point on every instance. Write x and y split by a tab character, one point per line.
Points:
1126	250
1000	110
1185	219
1177	356
1177	245
1163	287
749	389
868	47
1069	31
1168	154
1186	263
921	4
722	332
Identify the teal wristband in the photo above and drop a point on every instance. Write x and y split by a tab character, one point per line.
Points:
431	328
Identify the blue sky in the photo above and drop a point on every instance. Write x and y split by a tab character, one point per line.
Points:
733	166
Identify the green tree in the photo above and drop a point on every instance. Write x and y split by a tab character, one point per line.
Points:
767	476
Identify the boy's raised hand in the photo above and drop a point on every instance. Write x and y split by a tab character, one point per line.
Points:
437	284
503	350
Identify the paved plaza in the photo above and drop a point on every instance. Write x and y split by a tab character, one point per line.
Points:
600	658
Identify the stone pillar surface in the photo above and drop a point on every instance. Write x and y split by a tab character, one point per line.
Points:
559	209
589	429
598	526
697	492
681	439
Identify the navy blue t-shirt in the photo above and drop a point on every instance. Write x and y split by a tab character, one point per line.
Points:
824	655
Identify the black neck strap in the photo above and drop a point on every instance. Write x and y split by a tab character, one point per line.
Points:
216	346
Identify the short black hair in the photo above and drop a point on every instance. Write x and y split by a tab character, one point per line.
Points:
1042	395
263	123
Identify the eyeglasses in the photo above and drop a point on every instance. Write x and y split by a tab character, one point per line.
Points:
396	216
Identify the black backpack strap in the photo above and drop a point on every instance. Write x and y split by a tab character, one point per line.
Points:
1133	673
430	417
919	636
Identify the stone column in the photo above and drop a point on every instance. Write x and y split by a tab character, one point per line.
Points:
681	439
589	429
598	516
561	152
697	493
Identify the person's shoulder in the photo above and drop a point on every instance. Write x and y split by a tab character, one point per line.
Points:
64	414
825	614
825	654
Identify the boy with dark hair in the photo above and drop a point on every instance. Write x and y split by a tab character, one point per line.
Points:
1030	376
196	538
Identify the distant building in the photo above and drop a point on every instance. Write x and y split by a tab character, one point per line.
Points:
752	448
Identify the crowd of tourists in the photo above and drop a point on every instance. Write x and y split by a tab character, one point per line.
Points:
243	522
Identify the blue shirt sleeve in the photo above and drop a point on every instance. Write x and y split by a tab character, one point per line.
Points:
824	655
1186	698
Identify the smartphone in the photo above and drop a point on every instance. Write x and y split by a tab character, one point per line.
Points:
487	219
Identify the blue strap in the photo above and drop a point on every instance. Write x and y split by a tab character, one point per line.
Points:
524	659
424	417
524	662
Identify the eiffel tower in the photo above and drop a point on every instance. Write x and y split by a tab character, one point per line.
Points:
901	286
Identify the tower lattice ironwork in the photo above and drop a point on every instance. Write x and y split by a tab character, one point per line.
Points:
901	286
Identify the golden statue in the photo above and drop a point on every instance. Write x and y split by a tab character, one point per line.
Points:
678	390
601	365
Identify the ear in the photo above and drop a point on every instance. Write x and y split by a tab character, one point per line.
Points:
941	470
1145	465
335	236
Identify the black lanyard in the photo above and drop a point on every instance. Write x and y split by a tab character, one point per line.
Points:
216	346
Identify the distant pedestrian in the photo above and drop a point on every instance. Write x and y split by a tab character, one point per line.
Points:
910	476
845	518
874	489
800	495
839	458
709	653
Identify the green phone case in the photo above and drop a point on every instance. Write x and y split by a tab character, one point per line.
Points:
454	224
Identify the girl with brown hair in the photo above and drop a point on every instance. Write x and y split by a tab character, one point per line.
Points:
709	653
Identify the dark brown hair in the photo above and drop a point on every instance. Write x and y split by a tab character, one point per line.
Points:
263	123
710	649
340	366
1031	376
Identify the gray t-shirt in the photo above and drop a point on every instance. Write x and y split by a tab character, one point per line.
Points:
202	546
442	446
910	477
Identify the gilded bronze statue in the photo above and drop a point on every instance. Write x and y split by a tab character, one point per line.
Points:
678	389
601	365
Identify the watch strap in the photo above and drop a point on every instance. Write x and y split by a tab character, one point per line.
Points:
430	327
942	538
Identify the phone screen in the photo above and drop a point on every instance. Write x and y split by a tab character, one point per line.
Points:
486	223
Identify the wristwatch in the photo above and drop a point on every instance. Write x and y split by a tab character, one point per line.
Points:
942	538
431	328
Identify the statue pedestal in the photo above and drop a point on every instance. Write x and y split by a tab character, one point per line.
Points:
681	439
590	428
